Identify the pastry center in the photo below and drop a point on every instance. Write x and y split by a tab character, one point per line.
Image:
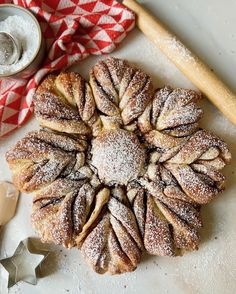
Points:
118	156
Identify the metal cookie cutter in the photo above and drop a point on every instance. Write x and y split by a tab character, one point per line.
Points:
10	49
24	264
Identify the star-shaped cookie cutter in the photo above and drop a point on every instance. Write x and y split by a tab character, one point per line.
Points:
25	263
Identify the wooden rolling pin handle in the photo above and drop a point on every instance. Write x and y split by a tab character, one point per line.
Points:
192	67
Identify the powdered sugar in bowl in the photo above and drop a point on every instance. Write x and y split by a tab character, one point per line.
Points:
23	29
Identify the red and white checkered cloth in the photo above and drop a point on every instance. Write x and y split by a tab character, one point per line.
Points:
73	29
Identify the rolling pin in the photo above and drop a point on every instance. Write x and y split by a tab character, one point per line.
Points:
191	65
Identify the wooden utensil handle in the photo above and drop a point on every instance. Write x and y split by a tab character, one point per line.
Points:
198	72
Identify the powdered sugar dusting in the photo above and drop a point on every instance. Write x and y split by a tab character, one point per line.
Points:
118	156
26	33
182	54
179	109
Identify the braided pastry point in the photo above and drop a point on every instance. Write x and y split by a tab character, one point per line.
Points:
65	103
168	222
120	90
114	244
197	166
60	210
123	169
41	156
172	111
170	118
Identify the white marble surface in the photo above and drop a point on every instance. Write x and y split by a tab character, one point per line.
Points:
208	26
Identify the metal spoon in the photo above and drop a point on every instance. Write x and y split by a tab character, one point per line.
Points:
10	49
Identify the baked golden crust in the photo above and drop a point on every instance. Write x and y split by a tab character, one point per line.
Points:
95	186
114	244
197	166
172	111
120	90
164	212
41	157
65	103
74	213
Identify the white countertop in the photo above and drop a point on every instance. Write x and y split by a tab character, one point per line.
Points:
208	27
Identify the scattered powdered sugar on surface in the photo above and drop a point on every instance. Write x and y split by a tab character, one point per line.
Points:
74	276
26	33
212	267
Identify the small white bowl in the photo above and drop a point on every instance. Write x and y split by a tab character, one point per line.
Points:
28	69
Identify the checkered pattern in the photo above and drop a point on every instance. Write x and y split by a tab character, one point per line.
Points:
73	29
